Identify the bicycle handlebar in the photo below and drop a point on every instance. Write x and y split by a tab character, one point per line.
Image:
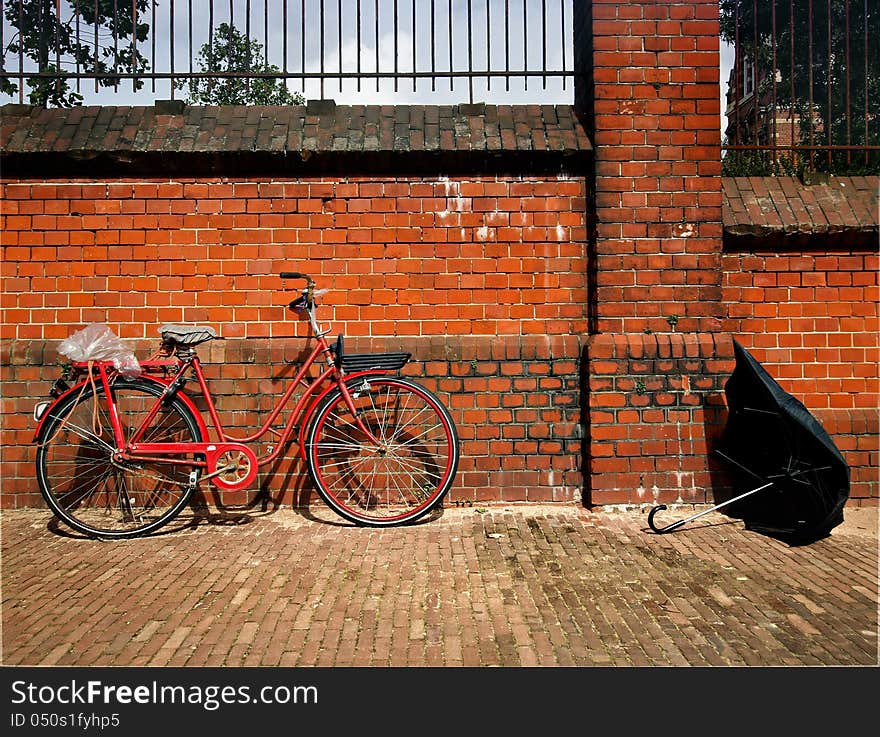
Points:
306	301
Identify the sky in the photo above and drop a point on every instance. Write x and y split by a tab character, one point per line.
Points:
489	37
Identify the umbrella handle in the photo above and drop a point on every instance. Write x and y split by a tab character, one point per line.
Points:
661	530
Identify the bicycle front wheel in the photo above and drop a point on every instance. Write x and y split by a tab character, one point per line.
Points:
94	493
401	478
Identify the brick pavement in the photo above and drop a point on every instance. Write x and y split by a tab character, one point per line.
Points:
501	586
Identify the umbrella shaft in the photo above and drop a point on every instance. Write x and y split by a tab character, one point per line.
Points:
723	504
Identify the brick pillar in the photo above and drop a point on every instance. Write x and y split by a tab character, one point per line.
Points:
650	98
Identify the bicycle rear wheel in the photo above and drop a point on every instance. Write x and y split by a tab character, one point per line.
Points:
95	494
398	481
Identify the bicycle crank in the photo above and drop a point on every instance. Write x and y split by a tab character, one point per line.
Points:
231	466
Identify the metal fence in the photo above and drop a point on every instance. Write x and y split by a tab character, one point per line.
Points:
804	87
427	50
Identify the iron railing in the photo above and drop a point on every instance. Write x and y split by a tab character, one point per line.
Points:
346	49
804	87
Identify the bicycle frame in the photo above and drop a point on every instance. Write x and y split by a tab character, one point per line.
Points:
134	449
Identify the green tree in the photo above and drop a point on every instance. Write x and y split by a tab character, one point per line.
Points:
232	51
44	36
854	79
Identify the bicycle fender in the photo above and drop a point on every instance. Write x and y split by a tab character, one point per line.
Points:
307	418
203	429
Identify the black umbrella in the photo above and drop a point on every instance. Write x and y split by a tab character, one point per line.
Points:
775	446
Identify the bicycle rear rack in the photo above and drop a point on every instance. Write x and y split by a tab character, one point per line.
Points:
374	361
367	361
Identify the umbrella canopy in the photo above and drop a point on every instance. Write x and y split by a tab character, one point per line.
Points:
771	438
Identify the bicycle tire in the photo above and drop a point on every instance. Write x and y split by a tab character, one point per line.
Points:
80	482
399	483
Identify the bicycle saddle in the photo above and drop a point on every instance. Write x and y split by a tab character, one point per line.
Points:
187	334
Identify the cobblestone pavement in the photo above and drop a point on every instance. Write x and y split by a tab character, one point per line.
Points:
501	586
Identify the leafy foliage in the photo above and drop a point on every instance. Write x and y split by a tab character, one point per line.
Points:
803	81
44	37
232	51
760	163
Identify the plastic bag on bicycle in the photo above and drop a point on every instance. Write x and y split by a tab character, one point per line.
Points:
97	342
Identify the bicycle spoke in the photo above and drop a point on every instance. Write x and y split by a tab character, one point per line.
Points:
402	426
352	445
335	426
88	492
416	467
89	468
372	491
416	488
401	492
399	412
414	438
88	436
375	412
348	467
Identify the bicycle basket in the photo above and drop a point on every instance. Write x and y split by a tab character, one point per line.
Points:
374	361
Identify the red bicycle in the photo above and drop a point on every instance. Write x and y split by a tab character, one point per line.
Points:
119	457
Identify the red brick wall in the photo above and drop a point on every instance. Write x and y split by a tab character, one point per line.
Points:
575	350
652	366
482	278
656	406
811	318
658	164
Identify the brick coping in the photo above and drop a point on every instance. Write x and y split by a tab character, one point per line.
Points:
317	137
774	212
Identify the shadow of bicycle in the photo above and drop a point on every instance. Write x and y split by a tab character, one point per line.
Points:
196	514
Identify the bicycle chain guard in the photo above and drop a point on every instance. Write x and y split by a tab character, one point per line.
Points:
231	466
